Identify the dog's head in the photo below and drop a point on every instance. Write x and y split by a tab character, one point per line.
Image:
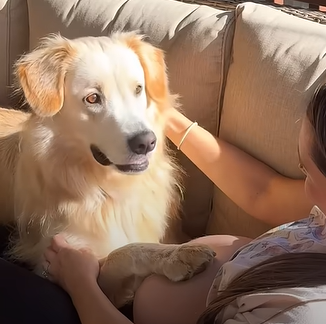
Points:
106	90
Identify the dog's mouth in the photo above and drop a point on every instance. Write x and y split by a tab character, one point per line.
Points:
102	159
99	156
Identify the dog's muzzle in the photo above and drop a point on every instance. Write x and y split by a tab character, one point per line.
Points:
140	145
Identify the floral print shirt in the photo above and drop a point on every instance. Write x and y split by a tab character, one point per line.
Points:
307	235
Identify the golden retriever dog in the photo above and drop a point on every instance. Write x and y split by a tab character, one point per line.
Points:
90	160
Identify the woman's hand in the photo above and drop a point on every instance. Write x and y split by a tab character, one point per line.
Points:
69	267
76	271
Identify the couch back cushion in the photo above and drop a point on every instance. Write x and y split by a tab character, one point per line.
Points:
277	62
14	41
196	40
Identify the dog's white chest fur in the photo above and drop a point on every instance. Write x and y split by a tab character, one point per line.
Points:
137	212
120	222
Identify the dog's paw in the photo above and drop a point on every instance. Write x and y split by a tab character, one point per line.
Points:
187	261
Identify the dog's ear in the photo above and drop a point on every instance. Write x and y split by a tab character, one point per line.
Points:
41	74
153	63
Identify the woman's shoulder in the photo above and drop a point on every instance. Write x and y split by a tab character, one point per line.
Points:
306	235
315	218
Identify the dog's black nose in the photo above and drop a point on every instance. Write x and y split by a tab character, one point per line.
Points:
142	143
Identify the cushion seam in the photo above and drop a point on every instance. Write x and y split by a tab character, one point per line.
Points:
224	73
7	59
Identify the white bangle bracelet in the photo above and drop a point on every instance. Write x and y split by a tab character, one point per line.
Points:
186	134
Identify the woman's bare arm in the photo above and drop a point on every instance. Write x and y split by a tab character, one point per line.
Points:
93	306
251	184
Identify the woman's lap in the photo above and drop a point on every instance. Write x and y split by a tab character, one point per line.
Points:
27	298
160	301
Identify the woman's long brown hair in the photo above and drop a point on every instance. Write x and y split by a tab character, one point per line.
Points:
284	271
292	269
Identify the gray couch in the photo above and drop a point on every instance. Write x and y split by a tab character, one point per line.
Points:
244	75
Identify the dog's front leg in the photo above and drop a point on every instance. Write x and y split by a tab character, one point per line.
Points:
124	269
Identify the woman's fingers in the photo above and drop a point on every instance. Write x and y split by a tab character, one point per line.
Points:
49	255
47	271
58	242
46	267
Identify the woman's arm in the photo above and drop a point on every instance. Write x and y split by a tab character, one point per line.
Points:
93	306
251	184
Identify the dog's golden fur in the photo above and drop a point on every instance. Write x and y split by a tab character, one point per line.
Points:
50	181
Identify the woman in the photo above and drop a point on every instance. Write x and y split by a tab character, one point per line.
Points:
257	281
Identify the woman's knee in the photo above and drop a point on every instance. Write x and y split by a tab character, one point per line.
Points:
35	299
161	301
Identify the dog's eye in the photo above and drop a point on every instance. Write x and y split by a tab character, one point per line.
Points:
138	89
93	98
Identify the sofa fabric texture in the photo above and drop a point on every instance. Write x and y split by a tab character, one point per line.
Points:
277	62
246	76
14	39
